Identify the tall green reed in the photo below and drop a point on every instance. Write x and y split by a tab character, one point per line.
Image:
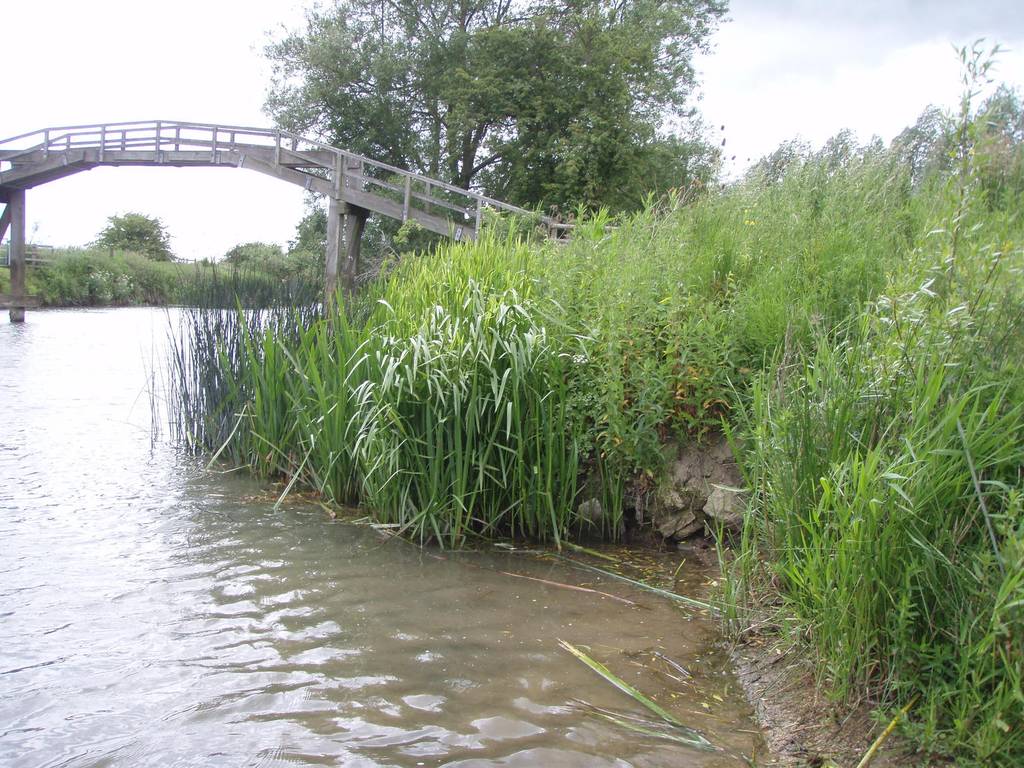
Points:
466	429
441	405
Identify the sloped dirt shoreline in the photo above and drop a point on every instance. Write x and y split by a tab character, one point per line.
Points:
800	724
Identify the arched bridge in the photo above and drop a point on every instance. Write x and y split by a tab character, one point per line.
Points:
355	186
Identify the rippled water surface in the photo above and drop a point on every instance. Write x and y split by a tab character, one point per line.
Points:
152	613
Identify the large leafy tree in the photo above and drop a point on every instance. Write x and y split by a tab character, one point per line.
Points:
538	102
253	253
137	233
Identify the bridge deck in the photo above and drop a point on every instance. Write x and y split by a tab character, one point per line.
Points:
53	153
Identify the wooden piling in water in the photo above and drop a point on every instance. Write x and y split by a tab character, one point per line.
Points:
345	225
16	211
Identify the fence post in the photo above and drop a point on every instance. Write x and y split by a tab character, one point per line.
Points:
408	198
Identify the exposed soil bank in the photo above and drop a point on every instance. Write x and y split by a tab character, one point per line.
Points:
799	722
801	725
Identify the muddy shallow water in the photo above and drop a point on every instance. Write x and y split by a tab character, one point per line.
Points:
153	613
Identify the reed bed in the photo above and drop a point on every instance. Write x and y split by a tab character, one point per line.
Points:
484	388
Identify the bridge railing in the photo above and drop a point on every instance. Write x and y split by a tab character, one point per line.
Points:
409	190
34	255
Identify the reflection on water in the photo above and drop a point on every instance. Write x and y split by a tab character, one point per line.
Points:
152	613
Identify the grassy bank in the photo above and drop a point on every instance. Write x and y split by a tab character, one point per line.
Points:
885	459
92	277
886	466
568	365
854	324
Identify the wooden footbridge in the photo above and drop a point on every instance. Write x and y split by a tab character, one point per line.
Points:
355	186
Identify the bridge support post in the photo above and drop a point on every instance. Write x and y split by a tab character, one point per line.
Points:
16	209
355	222
345	224
335	226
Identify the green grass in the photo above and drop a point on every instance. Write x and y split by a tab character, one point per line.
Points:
477	389
884	457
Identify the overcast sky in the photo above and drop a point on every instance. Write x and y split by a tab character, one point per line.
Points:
806	68
778	70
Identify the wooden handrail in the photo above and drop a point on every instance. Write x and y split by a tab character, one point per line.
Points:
158	135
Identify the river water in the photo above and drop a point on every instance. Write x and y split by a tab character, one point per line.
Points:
155	613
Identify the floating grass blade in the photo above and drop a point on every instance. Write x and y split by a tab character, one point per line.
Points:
588	551
674	664
573	587
650	730
642	585
628	689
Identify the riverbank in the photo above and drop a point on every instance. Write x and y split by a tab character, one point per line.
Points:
573	367
852	325
96	277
